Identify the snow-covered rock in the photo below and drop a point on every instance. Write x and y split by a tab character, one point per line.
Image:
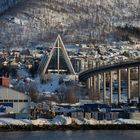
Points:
125	121
10	121
41	121
78	121
61	120
90	122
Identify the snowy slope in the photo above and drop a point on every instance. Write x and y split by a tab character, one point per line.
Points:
5	4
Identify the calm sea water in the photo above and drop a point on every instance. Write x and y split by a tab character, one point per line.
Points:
72	135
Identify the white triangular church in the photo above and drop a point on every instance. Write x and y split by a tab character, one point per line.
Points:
57	61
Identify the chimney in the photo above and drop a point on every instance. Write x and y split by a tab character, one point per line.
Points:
5	81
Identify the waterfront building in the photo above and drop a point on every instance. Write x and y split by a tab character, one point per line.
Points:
14	102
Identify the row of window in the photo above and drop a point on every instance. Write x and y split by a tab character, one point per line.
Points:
11	101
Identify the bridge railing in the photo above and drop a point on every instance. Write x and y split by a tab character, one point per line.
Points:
115	64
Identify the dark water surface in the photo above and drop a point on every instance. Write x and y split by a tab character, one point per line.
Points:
72	135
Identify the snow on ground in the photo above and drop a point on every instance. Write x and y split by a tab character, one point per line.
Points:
78	121
51	86
22	73
90	122
62	120
53	83
126	121
41	121
123	97
10	121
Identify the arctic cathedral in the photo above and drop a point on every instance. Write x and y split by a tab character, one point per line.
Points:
57	61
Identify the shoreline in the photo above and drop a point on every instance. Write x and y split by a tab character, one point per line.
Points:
69	127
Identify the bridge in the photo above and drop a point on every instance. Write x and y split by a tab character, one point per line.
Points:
94	76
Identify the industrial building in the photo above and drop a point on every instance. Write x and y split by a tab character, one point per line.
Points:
14	102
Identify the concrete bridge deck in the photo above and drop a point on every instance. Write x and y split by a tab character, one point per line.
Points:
83	76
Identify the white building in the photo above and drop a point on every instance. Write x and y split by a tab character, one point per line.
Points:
12	101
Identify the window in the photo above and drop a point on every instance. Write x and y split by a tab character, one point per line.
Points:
15	100
25	100
5	100
10	100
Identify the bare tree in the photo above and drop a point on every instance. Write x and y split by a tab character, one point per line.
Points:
69	96
33	92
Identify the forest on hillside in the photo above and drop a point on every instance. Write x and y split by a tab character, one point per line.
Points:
78	21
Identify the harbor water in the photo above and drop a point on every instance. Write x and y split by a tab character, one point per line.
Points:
72	135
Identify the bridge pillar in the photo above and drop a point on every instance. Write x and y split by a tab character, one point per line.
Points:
128	85
104	87
139	83
111	87
88	83
94	87
98	78
91	83
119	86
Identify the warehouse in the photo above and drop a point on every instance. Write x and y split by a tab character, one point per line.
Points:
14	102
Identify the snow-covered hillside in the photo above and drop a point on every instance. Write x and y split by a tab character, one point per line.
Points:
34	21
5	4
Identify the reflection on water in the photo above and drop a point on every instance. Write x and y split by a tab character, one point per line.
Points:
72	135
